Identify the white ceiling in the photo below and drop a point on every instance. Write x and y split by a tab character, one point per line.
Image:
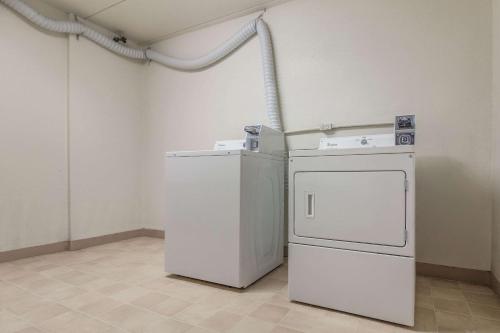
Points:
146	21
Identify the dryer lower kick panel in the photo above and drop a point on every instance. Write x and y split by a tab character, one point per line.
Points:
369	284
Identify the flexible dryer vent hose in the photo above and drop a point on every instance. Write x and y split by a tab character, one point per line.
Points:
257	26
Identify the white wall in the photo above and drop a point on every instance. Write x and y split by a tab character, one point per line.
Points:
495	170
100	113
33	162
105	95
351	61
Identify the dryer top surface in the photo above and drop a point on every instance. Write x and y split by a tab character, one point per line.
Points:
354	151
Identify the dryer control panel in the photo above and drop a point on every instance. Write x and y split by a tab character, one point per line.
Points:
404	129
361	141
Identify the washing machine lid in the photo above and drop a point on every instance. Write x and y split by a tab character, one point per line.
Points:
199	153
366	207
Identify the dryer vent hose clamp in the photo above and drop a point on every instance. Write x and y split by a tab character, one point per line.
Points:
256	26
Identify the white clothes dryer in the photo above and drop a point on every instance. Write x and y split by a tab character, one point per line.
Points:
352	230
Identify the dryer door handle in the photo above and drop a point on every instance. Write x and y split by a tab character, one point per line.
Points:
310	199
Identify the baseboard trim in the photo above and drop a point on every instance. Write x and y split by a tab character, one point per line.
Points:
455	273
154	233
78	244
495	284
105	239
33	251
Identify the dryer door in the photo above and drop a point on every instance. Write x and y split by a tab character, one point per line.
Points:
351	206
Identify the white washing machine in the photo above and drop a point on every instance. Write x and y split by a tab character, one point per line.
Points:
352	230
224	214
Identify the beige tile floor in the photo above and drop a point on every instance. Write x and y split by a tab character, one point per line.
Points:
121	287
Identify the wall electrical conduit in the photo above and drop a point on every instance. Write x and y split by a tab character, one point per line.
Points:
256	26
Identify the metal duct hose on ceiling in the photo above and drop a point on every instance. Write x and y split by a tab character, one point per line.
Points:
257	26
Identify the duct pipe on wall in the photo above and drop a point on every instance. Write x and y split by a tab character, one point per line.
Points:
257	26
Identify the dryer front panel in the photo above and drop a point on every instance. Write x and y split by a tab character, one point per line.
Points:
351	206
360	202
